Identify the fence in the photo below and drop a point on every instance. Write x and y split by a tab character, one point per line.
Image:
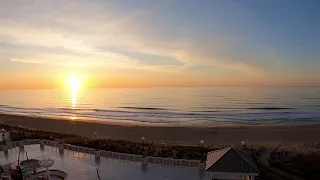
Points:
5	136
107	154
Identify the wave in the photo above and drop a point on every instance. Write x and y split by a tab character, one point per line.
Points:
270	108
142	108
208	111
273	98
281	115
20	108
253	103
310	98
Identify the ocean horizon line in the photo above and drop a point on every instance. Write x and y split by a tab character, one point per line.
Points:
159	87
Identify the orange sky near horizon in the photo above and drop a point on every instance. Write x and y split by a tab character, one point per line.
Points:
57	78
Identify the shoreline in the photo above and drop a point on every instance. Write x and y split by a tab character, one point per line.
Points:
135	124
217	135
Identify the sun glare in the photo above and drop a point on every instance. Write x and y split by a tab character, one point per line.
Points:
74	83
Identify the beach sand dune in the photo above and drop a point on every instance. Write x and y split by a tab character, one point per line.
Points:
220	135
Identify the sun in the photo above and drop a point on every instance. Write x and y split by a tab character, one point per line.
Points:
74	82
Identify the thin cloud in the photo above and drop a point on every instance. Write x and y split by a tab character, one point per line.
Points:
79	28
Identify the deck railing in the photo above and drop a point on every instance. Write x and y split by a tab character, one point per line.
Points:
107	154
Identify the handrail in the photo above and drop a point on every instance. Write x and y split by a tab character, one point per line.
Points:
107	154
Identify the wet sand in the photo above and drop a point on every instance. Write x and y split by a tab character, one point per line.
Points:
218	135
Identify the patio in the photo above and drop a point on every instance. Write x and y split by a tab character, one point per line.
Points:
82	166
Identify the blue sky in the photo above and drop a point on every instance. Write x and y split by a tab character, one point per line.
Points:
209	42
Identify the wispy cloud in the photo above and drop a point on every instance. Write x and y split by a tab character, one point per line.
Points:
81	33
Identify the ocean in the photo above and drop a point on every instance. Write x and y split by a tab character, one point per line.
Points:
171	106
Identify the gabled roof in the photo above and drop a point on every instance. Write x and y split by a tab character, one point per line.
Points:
214	156
231	160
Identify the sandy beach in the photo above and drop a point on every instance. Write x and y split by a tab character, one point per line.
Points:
220	135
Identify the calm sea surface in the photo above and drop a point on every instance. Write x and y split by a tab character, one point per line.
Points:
171	106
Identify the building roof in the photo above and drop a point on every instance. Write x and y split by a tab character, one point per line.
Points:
231	160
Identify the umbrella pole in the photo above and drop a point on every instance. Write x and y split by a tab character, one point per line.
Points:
98	173
48	174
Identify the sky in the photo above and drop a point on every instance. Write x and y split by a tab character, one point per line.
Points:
163	43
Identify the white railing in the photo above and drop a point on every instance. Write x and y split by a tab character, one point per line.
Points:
107	154
6	136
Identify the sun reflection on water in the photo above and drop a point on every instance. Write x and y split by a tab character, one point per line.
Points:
74	98
74	82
